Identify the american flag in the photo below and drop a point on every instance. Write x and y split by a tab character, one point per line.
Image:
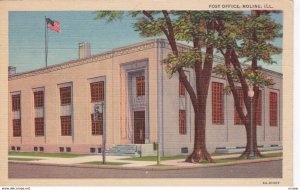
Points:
53	25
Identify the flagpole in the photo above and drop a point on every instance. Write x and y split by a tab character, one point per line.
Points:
46	42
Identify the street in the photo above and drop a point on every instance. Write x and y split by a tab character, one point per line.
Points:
270	169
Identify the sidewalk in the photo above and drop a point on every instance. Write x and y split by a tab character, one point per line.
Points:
119	159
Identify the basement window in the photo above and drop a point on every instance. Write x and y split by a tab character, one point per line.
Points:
68	149
92	150
99	150
42	149
61	149
35	148
18	148
13	148
184	150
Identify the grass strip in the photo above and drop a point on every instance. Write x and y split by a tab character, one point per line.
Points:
153	158
107	163
225	160
23	159
42	154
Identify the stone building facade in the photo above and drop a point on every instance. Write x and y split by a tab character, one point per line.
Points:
52	109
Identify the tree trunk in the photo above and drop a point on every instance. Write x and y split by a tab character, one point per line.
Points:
200	152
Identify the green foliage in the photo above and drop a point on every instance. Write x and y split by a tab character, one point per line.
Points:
148	28
238	33
257	77
233	29
184	59
109	15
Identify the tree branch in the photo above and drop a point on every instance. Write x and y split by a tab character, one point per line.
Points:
233	88
189	88
198	69
172	39
237	66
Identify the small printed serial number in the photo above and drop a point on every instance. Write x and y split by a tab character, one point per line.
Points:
271	182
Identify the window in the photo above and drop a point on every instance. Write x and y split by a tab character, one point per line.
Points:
97	126
65	95
39	126
97	91
61	149
39	99
182	127
92	150
16	127
140	86
181	89
16	101
273	109
258	109
240	95
217	103
65	125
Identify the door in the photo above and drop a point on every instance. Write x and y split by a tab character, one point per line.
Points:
139	127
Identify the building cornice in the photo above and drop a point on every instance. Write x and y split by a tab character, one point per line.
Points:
154	43
99	57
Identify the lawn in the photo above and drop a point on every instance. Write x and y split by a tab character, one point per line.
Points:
178	157
107	163
161	165
41	154
225	160
23	159
154	158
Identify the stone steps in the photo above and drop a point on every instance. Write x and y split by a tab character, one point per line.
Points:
124	150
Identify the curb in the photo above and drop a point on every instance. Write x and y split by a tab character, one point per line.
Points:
153	168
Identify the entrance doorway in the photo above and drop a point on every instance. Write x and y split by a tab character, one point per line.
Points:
139	127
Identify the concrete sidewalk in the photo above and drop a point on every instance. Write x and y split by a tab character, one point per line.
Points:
119	159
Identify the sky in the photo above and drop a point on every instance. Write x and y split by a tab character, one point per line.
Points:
27	37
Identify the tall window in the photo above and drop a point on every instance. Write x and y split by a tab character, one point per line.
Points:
240	95
97	91
39	99
65	95
65	125
273	109
258	109
97	126
140	86
66	110
217	103
16	108
182	126
181	89
39	112
39	126
16	102
16	127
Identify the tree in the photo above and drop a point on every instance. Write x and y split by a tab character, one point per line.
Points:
247	37
198	28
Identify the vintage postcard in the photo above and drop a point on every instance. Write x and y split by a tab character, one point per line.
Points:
167	92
